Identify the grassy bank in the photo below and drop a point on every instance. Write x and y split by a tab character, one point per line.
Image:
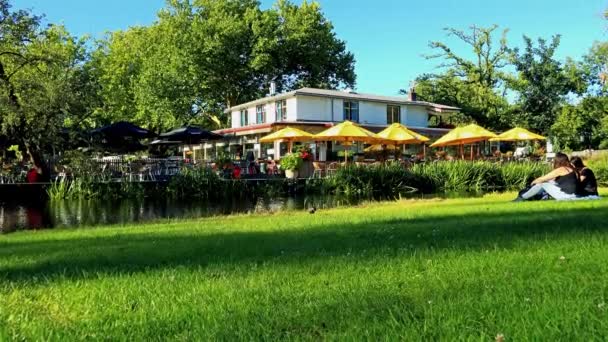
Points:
410	270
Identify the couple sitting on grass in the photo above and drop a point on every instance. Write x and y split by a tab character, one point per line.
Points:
569	180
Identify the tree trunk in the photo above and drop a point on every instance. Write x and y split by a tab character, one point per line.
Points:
12	97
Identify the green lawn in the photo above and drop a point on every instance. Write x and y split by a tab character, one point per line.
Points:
432	270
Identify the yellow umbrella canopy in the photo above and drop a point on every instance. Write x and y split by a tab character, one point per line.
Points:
518	134
464	135
346	132
379	148
289	134
401	135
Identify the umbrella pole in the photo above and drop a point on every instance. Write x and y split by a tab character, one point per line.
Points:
472	148
346	154
424	151
290	145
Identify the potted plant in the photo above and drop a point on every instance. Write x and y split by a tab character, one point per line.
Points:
291	163
306	169
223	164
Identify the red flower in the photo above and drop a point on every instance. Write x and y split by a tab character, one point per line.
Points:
305	155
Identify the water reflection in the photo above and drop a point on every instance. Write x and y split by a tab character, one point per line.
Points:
90	213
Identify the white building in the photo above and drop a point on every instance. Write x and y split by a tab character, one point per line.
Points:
314	110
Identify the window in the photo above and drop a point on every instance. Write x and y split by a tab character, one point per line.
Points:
281	111
393	114
244	118
351	111
260	112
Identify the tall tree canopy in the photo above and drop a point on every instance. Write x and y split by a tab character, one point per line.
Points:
201	56
500	87
475	84
542	84
39	69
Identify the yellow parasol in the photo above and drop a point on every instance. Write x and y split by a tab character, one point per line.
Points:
347	132
518	134
464	135
398	134
288	134
401	135
379	148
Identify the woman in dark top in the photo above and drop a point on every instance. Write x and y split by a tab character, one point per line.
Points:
588	183
560	184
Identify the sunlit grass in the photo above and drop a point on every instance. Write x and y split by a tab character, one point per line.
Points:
415	269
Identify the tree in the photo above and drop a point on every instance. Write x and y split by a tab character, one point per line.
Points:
38	67
310	54
476	85
583	125
542	84
203	56
450	90
595	69
148	75
241	49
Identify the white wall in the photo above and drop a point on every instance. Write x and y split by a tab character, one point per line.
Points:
311	108
292	109
373	113
416	116
252	115
271	114
236	119
338	110
314	108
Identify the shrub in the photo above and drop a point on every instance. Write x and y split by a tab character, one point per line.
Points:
383	180
599	165
291	161
195	183
480	175
517	175
222	160
85	188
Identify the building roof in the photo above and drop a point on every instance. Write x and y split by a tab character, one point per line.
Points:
267	127
344	95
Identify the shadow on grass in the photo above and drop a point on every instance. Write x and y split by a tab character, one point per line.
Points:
79	258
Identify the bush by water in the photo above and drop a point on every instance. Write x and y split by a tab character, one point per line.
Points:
390	179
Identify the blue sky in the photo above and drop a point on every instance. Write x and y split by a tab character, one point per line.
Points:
388	37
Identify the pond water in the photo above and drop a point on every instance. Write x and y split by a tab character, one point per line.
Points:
91	213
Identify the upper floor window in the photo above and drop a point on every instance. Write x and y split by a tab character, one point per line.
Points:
244	118
393	114
260	112
351	111
281	110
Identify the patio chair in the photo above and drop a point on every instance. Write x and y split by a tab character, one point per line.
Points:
319	169
332	168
